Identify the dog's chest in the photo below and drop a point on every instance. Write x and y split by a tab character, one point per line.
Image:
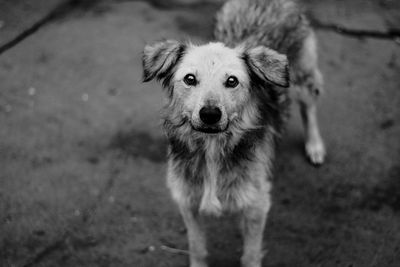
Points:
214	181
225	190
227	186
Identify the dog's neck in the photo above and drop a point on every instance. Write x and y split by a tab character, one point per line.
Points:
209	202
203	162
227	149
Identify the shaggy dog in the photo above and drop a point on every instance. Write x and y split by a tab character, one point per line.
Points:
227	103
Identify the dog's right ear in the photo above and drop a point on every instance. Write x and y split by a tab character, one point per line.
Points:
159	59
268	65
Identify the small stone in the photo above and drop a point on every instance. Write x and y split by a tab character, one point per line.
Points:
95	192
8	219
8	108
32	91
111	199
77	213
151	248
85	97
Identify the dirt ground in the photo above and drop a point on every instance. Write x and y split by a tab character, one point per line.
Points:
82	153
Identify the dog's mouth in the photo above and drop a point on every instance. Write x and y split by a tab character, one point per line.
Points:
210	129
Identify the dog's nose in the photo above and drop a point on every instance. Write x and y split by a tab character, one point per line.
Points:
210	114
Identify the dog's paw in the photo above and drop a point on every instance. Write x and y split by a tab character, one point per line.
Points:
211	207
198	264
316	152
250	262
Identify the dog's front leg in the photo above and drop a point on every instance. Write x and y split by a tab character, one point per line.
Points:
253	223
196	236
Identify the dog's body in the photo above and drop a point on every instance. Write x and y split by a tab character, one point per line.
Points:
227	106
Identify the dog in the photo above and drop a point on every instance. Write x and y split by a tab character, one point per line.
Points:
227	103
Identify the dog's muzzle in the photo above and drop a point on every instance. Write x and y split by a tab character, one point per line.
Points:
210	120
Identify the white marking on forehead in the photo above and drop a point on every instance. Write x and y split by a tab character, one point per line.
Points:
211	54
211	59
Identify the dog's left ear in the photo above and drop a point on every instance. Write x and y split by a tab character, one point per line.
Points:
159	59
268	64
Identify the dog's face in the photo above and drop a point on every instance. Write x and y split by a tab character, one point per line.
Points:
210	85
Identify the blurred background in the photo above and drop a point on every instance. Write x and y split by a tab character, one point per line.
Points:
82	153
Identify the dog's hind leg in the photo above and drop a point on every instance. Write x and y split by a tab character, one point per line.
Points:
196	236
309	85
253	223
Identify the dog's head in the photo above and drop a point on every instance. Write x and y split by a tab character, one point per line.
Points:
211	86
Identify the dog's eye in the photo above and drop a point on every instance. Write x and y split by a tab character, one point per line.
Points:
231	82
190	80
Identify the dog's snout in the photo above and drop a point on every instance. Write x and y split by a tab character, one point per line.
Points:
210	115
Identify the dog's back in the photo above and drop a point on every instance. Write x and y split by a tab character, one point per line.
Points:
282	26
277	24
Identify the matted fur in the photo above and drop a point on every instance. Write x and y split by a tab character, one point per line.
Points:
229	170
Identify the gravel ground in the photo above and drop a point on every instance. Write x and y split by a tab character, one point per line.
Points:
82	154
